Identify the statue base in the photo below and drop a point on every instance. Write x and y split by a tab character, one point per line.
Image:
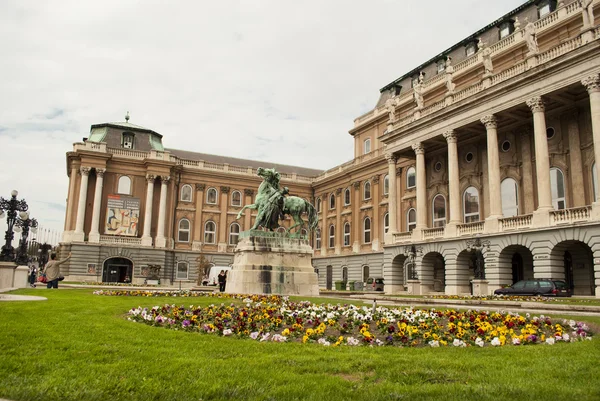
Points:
272	263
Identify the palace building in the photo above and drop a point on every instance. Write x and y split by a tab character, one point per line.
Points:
488	148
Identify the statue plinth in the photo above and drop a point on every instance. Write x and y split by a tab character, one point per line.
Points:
272	263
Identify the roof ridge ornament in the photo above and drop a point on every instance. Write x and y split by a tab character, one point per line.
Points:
127	117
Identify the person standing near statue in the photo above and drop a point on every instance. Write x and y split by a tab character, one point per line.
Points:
52	270
222	280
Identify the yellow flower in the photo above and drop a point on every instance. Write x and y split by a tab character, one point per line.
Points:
285	332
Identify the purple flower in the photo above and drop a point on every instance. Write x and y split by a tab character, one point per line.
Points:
186	323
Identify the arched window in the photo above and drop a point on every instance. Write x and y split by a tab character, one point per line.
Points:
367	230
318	239
557	185
367	191
332	201
234	233
182	270
318	205
386	223
439	211
346	234
411	219
210	229
236	198
367	147
124	186
345	274
471	205
594	182
346	196
184	231
186	193
332	236
386	184
510	197
411	178
365	275
211	196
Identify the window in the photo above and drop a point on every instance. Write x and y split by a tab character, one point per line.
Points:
345	274
331	236
557	185
332	201
211	196
365	273
318	205
234	233
318	239
439	211
236	198
367	146
411	178
367	230
471	49
441	66
186	193
546	7
594	181
127	140
210	228
471	205
347	234
506	29
505	146
347	197
367	191
184	231
386	223
469	157
182	270
386	185
411	219
124	186
510	200
438	166
550	132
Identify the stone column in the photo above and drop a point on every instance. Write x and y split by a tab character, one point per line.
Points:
79	235
453	179
576	166
161	241
493	158
224	229
356	220
68	230
146	237
338	221
324	228
392	198
592	84
249	193
542	160
526	193
94	232
375	196
421	187
198	224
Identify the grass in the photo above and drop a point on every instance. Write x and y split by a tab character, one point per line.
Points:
77	346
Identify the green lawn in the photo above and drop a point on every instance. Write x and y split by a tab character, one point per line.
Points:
77	346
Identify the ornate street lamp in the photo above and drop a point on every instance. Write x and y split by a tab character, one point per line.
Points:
11	207
24	224
43	257
411	252
477	246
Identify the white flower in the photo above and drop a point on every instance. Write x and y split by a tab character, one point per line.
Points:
434	343
265	337
227	332
550	341
279	338
378	342
479	342
458	343
324	342
516	341
254	335
565	337
496	341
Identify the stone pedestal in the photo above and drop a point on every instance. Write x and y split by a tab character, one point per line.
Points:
95	238
480	287
160	242
413	287
272	263
146	241
587	35
7	274
20	278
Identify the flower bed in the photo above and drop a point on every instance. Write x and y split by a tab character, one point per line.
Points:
273	299
516	298
280	321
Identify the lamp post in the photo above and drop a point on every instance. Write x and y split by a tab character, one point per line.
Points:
477	246
411	252
43	257
24	224
11	207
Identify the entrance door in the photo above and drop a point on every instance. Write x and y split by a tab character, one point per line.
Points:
569	271
329	277
517	268
117	270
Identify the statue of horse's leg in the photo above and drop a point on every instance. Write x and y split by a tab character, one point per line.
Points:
297	220
241	212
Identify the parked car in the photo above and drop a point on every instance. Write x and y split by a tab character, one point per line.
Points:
545	287
374	284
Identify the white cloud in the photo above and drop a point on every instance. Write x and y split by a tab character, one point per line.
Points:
209	76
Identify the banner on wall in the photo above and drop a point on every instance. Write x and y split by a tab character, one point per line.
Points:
122	215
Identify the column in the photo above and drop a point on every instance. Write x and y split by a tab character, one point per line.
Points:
542	160
198	224
94	233
493	159
575	165
356	219
324	228
338	221
421	187
79	235
161	241
375	197
526	194
592	84
224	227
453	178
146	238
66	237
249	193
392	198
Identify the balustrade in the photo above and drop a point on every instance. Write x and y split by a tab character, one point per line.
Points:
111	239
431	233
471	228
569	216
516	222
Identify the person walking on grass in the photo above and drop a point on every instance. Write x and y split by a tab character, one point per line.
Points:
222	280
53	270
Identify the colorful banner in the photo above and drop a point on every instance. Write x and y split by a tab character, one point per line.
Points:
122	215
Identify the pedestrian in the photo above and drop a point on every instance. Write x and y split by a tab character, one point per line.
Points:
222	280
205	279
32	275
53	270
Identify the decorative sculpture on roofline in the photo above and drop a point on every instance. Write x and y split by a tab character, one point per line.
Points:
273	204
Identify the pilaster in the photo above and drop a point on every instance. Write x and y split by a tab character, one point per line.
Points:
79	235
94	233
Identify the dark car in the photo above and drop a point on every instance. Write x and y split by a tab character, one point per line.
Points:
375	284
542	287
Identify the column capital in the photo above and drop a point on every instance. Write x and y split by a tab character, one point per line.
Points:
150	177
338	191
418	148
489	121
200	187
450	136
391	158
100	172
84	170
248	192
225	190
165	179
399	171
592	83
356	184
376	179
536	104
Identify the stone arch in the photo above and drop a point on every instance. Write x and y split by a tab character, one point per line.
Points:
514	263
577	266
117	269
395	277
432	272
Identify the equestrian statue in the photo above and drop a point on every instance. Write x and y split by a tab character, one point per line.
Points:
273	203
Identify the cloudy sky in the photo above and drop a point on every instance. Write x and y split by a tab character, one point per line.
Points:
278	81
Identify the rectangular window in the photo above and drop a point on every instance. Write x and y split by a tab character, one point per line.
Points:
367	147
182	271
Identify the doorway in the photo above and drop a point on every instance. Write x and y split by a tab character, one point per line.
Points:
329	280
117	270
517	268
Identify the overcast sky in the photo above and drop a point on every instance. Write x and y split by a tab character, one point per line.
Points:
278	81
